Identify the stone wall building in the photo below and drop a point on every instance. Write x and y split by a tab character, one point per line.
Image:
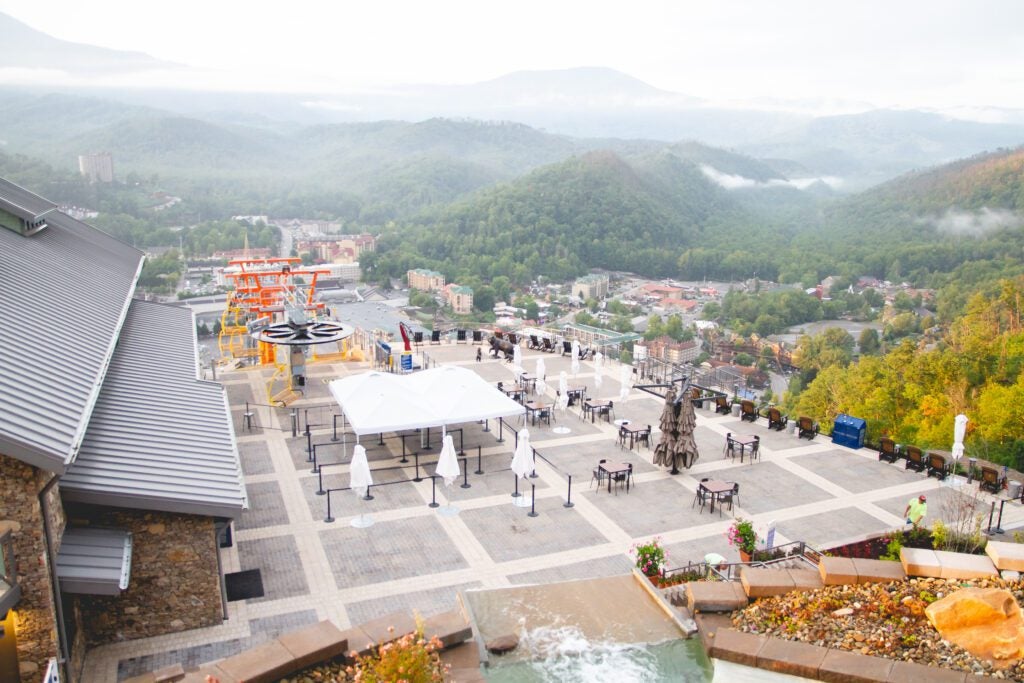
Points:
118	466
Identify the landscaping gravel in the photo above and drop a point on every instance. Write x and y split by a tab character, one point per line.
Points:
878	619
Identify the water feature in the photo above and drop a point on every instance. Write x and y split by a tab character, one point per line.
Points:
595	630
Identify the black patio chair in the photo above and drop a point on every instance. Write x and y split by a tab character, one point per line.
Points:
730	446
722	405
730	497
915	459
991	480
626	478
534	342
598	473
549	347
887	450
755	449
645	437
701	496
566	347
806	428
776	420
938	466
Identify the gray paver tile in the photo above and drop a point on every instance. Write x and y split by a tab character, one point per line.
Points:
822	527
388	551
605	566
278	560
426	602
266	507
268	628
652	507
853	472
506	533
764	486
255	457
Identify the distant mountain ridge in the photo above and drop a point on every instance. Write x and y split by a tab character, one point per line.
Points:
24	47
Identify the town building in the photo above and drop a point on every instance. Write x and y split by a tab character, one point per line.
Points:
119	469
98	168
425	280
460	298
593	286
667	349
336	248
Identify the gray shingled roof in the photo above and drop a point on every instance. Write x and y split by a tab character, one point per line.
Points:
94	561
159	438
63	296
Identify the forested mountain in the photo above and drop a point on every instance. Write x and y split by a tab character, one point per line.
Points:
596	210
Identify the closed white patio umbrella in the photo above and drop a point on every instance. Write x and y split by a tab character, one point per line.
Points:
517	359
575	367
522	462
448	469
598	367
626	381
360	480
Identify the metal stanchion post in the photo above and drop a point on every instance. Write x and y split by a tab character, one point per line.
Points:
316	467
533	501
516	493
295	423
533	474
433	492
328	518
417	478
568	496
334	421
465	474
479	461
320	479
404	459
368	496
501	430
309	445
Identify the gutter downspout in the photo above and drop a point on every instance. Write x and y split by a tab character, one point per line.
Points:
63	648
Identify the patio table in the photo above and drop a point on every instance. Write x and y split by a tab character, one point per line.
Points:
613	468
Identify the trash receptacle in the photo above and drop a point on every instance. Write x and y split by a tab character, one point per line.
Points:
735	409
1013	489
849	431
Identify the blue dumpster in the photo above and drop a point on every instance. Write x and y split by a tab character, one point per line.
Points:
849	431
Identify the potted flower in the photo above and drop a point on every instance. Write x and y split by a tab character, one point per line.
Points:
742	535
650	557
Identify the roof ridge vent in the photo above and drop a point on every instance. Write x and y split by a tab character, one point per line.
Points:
20	220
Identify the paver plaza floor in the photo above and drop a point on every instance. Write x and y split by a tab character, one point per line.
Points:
415	556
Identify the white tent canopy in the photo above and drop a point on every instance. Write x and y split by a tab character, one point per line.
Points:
377	402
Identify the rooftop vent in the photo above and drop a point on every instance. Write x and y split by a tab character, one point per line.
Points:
20	220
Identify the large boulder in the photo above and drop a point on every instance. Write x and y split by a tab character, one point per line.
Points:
986	622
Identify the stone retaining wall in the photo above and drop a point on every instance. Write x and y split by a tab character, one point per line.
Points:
175	580
20	485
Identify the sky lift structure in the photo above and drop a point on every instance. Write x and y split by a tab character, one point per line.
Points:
272	316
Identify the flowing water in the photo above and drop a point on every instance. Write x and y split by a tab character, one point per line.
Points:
596	630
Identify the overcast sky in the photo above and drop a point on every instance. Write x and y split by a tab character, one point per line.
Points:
936	53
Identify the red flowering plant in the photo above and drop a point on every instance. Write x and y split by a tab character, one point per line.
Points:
742	535
650	557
